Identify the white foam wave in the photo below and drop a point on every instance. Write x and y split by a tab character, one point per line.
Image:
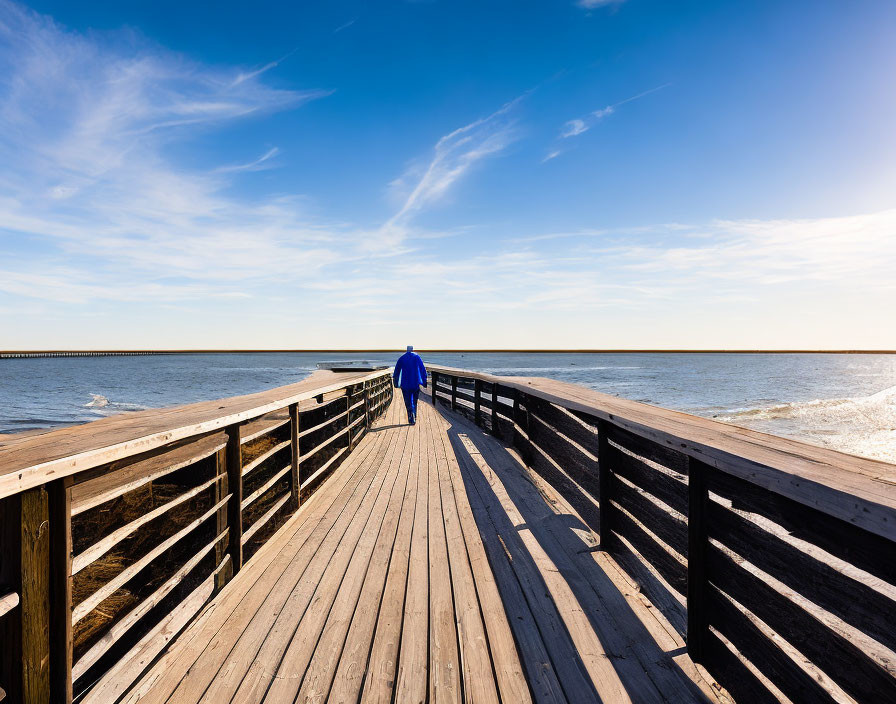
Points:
864	425
99	401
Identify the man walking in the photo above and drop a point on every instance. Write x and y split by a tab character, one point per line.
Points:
409	376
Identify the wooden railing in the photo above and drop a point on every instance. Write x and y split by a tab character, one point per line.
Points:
115	534
775	559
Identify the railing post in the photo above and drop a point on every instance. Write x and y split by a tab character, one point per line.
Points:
477	396
367	405
35	596
348	417
605	486
61	645
234	453
698	541
495	430
295	481
454	393
222	550
434	380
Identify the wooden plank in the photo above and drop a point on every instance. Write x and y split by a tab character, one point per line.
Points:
570	425
850	488
336	670
508	669
658	555
608	517
324	444
61	644
224	659
71	450
665	487
115	483
262	520
128	670
846	664
261	459
266	661
867	551
645	668
295	484
477	401
262	426
101	547
264	488
234	464
671	529
444	659
35	607
574	656
8	602
237	604
479	677
328	421
129	572
830	588
412	676
325	620
574	461
698	543
219	491
324	467
792	680
739	680
376	623
123	624
380	675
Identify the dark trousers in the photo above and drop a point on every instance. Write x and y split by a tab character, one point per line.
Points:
410	402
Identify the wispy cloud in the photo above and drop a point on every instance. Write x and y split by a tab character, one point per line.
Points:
579	125
251	75
454	155
346	25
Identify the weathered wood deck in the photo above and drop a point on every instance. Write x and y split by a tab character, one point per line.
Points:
431	568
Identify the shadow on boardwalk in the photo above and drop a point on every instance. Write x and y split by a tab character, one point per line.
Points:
579	636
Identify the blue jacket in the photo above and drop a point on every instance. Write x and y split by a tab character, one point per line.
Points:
409	371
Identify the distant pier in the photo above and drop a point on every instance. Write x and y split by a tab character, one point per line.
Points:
74	353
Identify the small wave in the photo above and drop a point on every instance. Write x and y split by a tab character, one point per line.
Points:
863	425
99	401
571	368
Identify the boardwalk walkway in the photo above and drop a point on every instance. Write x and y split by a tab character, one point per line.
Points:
431	567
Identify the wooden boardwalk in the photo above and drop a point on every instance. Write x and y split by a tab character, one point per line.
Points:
430	567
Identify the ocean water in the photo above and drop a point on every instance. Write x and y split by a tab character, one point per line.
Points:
847	402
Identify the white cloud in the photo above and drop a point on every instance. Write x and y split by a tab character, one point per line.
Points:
454	155
573	128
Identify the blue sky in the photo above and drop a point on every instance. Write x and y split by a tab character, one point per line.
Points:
449	174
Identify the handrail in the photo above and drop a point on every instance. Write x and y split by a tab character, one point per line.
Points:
34	461
116	518
783	554
855	489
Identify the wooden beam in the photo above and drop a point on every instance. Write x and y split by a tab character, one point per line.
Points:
61	644
35	548
453	393
234	464
698	541
477	402
219	491
434	380
495	430
295	485
605	485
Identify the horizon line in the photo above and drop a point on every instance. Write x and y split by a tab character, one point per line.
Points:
379	350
